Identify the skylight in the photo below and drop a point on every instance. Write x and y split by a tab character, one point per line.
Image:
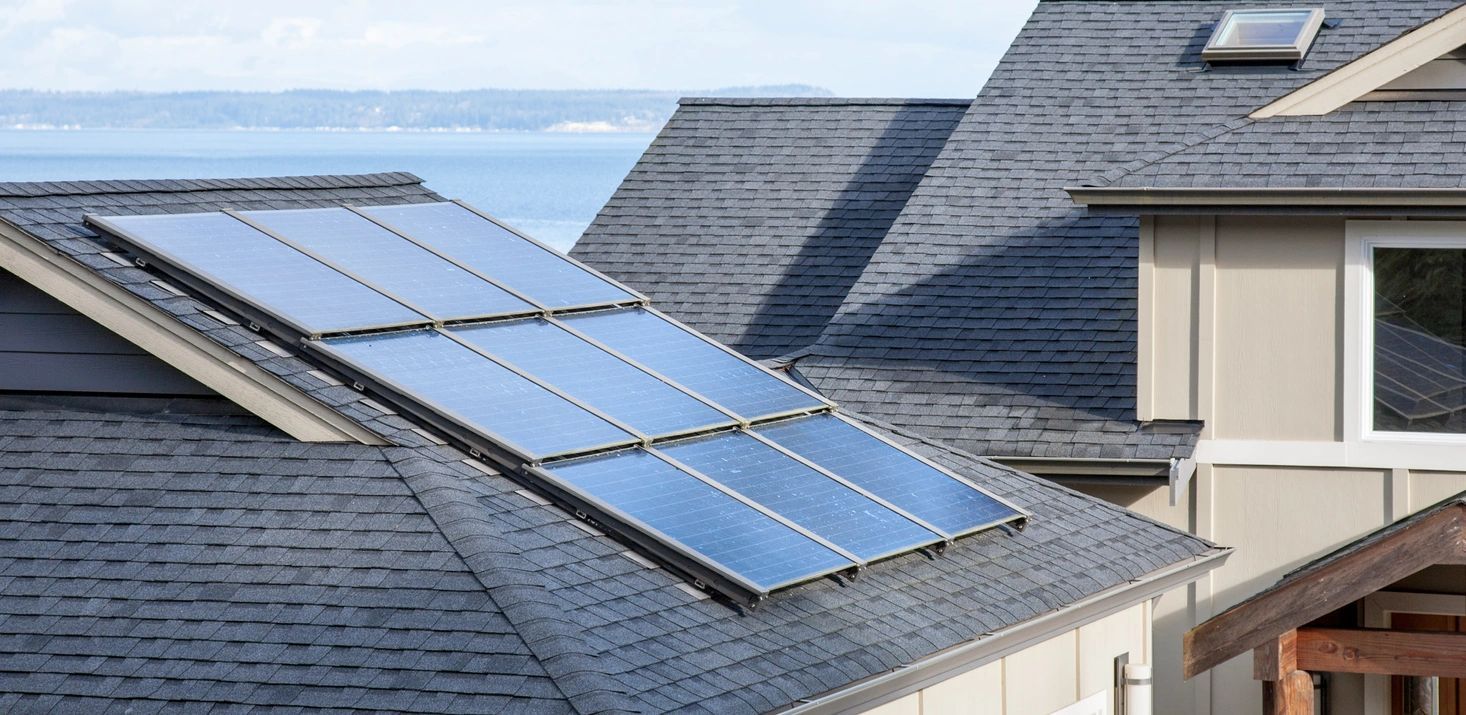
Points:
1261	35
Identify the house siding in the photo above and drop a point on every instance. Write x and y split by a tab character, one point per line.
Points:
1042	678
1261	359
48	347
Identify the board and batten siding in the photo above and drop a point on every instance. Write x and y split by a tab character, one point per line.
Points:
1041	679
48	347
1246	330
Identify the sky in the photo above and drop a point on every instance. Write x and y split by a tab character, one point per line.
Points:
876	48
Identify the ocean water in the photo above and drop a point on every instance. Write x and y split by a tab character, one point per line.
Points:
549	185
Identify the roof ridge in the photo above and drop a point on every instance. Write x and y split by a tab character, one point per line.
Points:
824	101
1188	142
153	186
512	582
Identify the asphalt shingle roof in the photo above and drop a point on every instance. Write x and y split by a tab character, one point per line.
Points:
1372	145
221	552
751	219
995	314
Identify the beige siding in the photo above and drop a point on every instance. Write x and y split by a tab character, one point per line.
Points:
976	692
1248	334
1174	306
1278	322
1427	488
1042	678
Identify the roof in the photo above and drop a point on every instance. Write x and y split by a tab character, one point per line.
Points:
761	213
584	626
996	314
1351	572
201	556
1364	145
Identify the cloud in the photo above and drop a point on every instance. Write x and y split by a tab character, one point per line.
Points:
874	47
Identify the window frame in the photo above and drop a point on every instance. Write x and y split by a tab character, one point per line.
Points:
1362	238
1291	52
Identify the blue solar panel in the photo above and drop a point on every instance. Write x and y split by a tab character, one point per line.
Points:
889	473
705	520
434	369
693	362
837	513
594	376
529	269
263	272
398	266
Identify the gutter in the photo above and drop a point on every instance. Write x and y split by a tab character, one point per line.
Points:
892	685
1281	196
1062	467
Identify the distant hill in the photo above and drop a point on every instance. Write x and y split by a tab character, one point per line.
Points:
476	110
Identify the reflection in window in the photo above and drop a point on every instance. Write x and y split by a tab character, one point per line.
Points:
1420	340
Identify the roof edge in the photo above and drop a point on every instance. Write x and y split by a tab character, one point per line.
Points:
1372	70
1144	196
821	101
173	186
889	686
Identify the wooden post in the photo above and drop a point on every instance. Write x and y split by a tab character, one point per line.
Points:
1286	690
1293	695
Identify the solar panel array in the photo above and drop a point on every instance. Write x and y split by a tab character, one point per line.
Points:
735	476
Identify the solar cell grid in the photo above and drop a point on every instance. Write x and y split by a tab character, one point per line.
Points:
431	367
263	272
594	376
530	269
822	505
757	548
694	362
890	473
381	258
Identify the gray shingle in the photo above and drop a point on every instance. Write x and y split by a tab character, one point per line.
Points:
202	556
761	213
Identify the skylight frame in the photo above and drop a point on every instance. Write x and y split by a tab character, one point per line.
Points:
1290	52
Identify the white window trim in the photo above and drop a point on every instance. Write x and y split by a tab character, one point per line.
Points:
1361	238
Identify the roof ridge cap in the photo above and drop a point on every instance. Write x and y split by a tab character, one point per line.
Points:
1188	142
512	582
177	186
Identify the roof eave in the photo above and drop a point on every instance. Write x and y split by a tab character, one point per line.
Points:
877	690
1299	198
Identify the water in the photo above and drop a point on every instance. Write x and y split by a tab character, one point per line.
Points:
549	185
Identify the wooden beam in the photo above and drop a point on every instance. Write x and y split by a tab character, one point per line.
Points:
1292	695
1274	660
1373	564
1382	652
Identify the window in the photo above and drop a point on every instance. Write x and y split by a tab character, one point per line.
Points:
1263	35
1419	341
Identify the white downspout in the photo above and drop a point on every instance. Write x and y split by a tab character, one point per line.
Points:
1137	689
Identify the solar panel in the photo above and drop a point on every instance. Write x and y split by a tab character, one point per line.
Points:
890	473
732	474
528	268
594	376
484	396
694	362
254	268
803	495
739	539
383	259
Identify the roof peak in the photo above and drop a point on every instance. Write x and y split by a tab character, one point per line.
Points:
822	101
151	186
